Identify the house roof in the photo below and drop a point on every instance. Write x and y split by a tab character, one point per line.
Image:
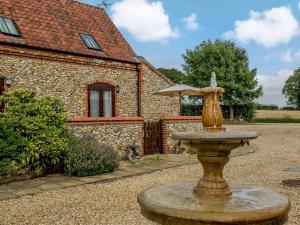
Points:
57	24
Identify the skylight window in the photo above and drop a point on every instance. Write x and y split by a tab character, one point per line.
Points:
90	41
8	26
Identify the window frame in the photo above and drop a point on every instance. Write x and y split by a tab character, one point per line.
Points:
14	24
102	87
86	44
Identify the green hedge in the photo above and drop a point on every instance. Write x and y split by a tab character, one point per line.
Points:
276	120
266	107
33	133
245	112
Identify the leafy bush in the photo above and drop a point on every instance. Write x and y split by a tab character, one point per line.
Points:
87	157
33	132
11	143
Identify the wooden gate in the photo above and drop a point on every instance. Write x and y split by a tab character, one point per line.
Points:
153	138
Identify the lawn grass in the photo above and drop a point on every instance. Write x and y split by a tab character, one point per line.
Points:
276	120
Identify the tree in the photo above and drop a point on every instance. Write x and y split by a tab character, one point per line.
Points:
231	65
104	3
173	74
291	89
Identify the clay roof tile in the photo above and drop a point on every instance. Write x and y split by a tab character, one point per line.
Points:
57	25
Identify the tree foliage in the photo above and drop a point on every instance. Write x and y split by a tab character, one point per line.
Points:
104	3
231	65
291	89
173	74
33	131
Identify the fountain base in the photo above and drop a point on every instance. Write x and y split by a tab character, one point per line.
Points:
177	204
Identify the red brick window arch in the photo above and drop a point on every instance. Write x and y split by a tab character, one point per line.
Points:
101	100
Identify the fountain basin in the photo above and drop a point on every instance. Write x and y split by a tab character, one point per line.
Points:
220	137
176	204
211	201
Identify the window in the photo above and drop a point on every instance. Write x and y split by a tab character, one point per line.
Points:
1	93
101	100
90	41
8	26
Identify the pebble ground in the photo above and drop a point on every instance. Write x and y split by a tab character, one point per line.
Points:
114	203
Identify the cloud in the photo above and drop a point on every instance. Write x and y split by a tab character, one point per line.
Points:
191	22
268	28
287	56
299	5
272	87
290	55
144	20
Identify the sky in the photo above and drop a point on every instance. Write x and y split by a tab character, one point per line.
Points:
162	30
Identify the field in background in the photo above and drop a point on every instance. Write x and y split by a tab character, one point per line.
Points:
276	116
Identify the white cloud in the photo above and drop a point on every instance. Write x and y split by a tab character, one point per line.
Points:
272	87
289	55
297	54
146	21
191	22
268	28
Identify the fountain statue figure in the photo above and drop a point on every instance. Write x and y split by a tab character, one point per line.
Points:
211	201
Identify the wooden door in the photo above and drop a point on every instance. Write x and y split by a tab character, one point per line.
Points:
153	138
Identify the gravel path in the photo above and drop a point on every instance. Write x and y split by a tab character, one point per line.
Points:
278	148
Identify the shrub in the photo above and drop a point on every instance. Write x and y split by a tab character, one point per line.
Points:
34	131
11	144
87	157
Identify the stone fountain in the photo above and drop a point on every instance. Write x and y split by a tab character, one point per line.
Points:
210	201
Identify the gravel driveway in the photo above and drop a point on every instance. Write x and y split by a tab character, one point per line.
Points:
278	148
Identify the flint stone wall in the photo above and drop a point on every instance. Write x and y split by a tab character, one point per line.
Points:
178	124
68	81
154	107
118	133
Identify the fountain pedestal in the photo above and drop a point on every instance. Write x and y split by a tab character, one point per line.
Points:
212	183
